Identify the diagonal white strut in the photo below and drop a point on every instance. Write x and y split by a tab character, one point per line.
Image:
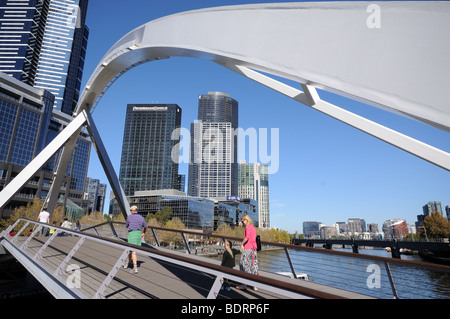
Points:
310	97
27	173
66	138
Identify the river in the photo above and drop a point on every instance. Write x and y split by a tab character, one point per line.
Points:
360	275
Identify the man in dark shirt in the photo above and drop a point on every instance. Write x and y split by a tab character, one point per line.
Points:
135	223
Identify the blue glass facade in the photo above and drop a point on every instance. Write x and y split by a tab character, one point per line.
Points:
8	114
28	123
43	43
194	212
24	116
23	127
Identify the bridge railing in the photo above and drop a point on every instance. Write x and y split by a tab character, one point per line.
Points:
375	276
56	278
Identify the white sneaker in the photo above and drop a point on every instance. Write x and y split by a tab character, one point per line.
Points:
134	270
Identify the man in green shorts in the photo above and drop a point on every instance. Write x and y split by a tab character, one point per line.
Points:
135	223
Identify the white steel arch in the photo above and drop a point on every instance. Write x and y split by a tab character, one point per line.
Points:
392	55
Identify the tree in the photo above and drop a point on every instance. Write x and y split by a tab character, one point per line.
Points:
224	230
93	218
162	216
436	225
151	222
170	237
30	211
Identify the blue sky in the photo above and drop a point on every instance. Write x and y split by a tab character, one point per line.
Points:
328	171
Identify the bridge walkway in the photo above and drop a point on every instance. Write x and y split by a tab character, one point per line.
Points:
155	279
88	266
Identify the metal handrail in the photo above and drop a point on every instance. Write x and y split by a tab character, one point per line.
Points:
286	247
283	288
426	265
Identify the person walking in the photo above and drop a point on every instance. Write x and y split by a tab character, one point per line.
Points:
137	227
249	258
44	217
228	260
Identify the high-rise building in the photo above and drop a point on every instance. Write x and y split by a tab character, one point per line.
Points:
254	183
43	43
432	206
312	229
28	123
96	193
213	167
395	228
356	225
150	138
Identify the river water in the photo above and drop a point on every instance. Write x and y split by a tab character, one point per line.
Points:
360	275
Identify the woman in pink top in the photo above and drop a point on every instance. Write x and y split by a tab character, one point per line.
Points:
249	257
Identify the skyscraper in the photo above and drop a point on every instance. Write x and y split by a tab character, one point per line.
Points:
254	183
27	124
149	141
43	43
432	206
213	167
97	193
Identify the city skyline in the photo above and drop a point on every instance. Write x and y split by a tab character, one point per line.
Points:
328	171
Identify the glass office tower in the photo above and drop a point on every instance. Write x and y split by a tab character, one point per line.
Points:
254	183
213	167
43	43
27	123
148	143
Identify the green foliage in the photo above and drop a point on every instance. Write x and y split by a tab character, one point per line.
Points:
30	211
162	217
436	226
270	235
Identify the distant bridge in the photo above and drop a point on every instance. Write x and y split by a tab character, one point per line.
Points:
394	245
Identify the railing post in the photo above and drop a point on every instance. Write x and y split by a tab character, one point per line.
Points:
100	294
9	229
154	236
214	291
113	229
25	244
20	231
391	280
41	250
186	243
60	269
290	262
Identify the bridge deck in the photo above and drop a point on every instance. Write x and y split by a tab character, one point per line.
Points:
156	279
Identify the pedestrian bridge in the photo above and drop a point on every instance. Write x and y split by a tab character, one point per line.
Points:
87	264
